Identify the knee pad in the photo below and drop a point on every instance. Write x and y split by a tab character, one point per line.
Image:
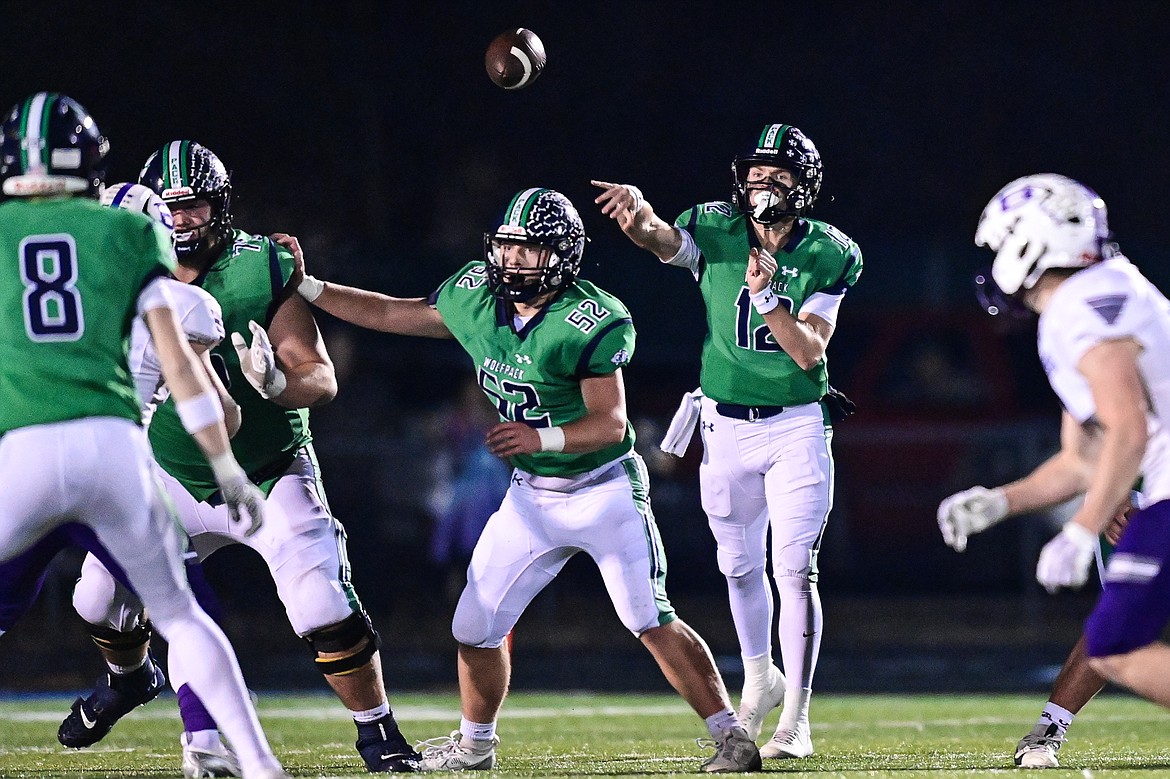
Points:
473	626
119	641
750	580
355	636
100	600
795	561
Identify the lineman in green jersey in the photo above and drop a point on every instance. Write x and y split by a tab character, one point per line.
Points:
548	350
772	280
302	543
73	455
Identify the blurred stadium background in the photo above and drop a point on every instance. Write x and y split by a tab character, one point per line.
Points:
370	130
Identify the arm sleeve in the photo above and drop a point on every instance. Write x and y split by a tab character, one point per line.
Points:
202	319
688	255
1107	313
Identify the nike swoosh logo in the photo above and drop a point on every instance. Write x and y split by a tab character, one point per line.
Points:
806	635
89	724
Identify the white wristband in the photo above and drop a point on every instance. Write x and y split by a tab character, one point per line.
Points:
226	468
310	288
552	439
199	412
765	300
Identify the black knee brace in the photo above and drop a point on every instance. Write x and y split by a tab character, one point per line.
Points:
115	641
354	635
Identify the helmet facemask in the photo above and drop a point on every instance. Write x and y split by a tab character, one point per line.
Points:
183	173
547	222
782	146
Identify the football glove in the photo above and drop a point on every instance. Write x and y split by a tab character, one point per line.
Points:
1066	559
258	363
244	499
969	512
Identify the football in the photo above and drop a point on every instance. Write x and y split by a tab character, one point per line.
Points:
515	58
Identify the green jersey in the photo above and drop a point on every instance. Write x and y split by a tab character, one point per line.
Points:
533	374
71	274
249	281
742	363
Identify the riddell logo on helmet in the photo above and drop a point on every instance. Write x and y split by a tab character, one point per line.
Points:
177	192
512	230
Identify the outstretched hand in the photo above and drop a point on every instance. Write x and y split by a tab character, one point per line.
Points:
620	202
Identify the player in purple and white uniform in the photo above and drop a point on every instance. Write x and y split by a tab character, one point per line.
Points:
1104	333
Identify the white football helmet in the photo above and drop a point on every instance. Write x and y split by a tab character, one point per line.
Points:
1041	222
136	197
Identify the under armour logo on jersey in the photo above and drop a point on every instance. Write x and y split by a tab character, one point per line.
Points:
516	478
523	359
708	426
790	272
620	358
1108	307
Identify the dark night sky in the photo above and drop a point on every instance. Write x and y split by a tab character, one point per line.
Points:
372	130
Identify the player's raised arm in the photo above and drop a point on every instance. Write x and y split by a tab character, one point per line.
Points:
624	204
371	310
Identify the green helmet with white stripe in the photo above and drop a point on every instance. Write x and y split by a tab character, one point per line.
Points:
182	172
543	218
50	145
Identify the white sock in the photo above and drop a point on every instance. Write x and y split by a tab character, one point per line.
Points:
750	598
755	674
1056	715
371	715
800	627
721	721
203	740
476	731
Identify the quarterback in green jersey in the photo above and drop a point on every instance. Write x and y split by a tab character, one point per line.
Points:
74	458
277	367
772	280
548	349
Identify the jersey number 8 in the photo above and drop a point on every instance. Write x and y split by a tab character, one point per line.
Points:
52	304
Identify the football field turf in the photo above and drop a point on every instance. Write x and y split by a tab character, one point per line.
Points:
627	735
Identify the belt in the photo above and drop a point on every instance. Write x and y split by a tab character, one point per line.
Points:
749	413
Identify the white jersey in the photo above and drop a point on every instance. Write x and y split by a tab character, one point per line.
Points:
1110	301
201	318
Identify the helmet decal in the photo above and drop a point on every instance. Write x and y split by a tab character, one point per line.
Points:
49	144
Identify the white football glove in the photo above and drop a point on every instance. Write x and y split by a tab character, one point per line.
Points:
244	499
1066	559
969	512
258	363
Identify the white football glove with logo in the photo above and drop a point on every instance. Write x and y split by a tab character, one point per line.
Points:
258	363
969	512
1066	559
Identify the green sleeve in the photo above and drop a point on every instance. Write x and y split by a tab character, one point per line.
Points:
610	349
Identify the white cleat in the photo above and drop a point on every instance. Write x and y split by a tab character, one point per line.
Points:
1038	749
207	763
755	705
789	742
450	753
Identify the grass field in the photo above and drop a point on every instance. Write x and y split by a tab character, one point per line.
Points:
626	735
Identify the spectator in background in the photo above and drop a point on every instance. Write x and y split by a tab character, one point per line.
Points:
470	484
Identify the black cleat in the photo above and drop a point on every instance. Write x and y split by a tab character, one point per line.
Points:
385	749
114	697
